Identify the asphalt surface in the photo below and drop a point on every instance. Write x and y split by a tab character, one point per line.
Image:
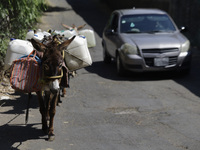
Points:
103	111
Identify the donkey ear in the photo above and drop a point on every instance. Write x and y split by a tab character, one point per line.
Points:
66	43
66	26
80	27
38	46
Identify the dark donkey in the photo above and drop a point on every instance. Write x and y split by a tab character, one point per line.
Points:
52	63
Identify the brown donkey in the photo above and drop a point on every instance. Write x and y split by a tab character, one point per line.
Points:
52	63
73	27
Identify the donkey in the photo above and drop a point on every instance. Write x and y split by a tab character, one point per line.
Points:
74	27
52	62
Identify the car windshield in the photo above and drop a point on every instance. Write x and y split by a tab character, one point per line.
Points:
148	23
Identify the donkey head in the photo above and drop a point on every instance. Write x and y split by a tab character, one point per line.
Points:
52	61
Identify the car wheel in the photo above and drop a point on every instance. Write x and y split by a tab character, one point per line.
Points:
120	68
106	57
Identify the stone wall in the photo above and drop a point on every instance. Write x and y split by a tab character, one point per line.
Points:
187	13
119	4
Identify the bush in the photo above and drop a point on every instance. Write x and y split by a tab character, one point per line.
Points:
16	17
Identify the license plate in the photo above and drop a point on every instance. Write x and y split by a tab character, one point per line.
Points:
161	61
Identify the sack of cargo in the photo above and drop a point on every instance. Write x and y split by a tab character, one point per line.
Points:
16	49
77	54
25	73
89	34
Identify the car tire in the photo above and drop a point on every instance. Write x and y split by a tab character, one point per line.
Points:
106	56
120	68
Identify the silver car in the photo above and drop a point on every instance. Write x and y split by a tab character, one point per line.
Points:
145	40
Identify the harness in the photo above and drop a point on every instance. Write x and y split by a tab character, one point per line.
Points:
54	77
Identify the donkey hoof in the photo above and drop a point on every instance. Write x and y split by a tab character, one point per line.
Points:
63	95
59	104
51	137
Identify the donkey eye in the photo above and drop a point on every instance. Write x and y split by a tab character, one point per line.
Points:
46	67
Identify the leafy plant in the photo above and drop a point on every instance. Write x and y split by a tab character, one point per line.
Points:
16	17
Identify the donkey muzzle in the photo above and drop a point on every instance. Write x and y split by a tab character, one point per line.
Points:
54	86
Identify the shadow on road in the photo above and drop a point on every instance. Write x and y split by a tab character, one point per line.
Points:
109	71
97	18
13	135
19	105
57	9
94	16
190	81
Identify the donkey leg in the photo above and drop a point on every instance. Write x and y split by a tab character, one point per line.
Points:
52	113
47	99
63	92
42	111
59	99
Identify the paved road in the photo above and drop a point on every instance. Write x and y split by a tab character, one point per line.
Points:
105	112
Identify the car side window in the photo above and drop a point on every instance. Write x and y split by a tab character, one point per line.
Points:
113	24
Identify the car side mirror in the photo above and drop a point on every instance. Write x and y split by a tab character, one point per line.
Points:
183	29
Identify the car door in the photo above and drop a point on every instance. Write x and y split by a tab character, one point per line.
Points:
111	34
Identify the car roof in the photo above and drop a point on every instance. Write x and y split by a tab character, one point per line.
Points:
139	11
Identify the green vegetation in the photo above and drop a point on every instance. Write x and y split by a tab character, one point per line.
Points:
16	17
